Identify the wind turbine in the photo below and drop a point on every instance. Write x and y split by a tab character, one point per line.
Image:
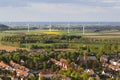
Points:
68	28
50	27
28	27
83	29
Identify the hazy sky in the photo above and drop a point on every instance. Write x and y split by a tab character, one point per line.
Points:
59	10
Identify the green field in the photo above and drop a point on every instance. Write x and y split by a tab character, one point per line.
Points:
61	32
72	32
88	34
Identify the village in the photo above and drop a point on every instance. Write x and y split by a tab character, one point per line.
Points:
109	64
59	39
60	55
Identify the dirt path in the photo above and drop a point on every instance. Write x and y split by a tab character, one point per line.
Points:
9	48
102	36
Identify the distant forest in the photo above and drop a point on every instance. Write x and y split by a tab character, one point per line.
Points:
95	28
3	27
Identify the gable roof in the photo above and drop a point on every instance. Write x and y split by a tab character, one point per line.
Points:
45	72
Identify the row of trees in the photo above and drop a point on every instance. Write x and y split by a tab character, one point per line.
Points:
22	39
38	61
42	61
56	41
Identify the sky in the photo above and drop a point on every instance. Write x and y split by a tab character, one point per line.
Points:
59	10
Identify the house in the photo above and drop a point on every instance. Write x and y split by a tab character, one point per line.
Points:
92	74
115	61
108	73
112	62
5	66
113	67
85	58
18	66
21	73
46	74
89	71
104	58
62	63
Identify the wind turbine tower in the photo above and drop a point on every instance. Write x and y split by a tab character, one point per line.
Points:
83	29
68	28
28	27
50	27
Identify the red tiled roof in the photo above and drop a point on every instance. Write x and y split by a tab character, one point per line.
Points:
45	72
63	63
2	64
113	67
63	60
22	73
19	66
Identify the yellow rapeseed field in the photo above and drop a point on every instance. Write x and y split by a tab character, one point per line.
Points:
52	32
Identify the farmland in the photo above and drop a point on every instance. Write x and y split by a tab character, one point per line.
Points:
62	32
37	47
112	35
103	37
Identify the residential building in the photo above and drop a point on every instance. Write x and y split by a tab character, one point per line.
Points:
5	66
62	63
46	74
104	58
